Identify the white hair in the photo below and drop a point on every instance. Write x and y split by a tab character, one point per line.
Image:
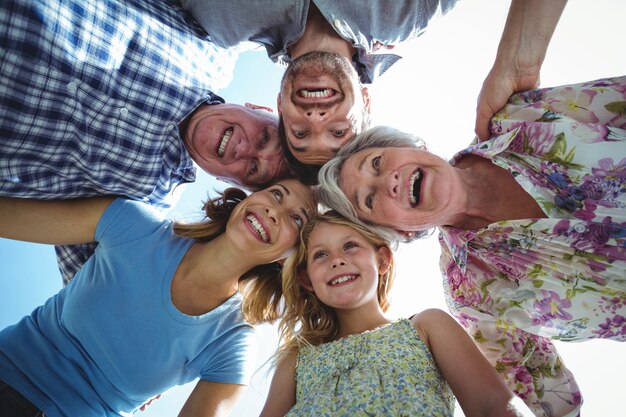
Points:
329	192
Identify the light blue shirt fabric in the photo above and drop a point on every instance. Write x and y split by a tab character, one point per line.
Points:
112	339
279	24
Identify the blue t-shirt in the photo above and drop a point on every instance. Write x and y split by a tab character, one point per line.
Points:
112	339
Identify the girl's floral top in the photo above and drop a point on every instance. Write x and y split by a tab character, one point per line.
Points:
516	285
384	372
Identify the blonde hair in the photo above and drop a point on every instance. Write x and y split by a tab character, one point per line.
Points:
306	319
260	287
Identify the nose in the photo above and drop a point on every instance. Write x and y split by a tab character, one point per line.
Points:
390	184
316	114
272	214
338	261
243	149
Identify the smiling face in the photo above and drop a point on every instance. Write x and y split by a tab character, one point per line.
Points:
235	144
322	105
343	267
403	188
266	225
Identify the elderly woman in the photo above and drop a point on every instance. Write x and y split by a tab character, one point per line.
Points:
532	226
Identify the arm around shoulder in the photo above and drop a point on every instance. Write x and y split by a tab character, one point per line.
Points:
59	222
282	394
476	385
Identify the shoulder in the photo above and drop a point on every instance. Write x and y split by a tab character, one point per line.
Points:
128	217
430	318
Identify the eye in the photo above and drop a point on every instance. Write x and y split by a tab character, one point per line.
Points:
369	201
298	220
265	138
299	133
278	195
254	168
339	132
350	245
376	163
319	254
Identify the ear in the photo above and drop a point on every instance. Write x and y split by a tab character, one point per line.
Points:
278	103
257	107
303	277
384	259
366	98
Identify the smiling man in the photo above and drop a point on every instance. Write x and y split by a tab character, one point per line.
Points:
121	103
236	144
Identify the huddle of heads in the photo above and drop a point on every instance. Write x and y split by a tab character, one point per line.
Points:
322	107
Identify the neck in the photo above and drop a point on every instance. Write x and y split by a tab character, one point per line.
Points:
320	36
207	276
360	320
492	195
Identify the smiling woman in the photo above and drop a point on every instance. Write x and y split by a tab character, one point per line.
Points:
534	217
199	287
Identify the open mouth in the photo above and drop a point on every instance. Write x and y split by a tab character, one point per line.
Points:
258	227
316	95
221	149
342	279
415	186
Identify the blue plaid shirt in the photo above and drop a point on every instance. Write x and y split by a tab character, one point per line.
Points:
92	92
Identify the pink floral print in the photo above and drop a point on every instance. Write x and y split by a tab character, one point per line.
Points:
517	285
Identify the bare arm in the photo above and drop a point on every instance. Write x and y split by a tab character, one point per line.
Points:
476	385
56	222
522	49
211	399
282	395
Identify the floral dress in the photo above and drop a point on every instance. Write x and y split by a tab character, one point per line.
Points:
384	372
516	285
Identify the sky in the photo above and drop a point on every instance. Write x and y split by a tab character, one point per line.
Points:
432	93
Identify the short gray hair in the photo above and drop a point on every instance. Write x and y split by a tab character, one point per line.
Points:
329	192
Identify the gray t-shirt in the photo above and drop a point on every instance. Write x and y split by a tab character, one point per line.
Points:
278	24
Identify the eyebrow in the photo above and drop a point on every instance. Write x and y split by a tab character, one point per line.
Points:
302	209
303	149
284	188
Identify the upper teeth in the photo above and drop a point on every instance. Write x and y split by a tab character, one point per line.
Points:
257	226
327	92
227	134
416	176
342	279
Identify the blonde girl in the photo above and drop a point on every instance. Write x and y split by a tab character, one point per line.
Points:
342	356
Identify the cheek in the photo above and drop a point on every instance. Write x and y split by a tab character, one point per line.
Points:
288	240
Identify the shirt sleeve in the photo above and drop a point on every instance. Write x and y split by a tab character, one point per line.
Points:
125	220
234	358
529	364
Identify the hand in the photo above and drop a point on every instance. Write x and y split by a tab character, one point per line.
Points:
495	92
522	49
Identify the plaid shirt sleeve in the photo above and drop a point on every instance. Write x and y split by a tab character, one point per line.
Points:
92	95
